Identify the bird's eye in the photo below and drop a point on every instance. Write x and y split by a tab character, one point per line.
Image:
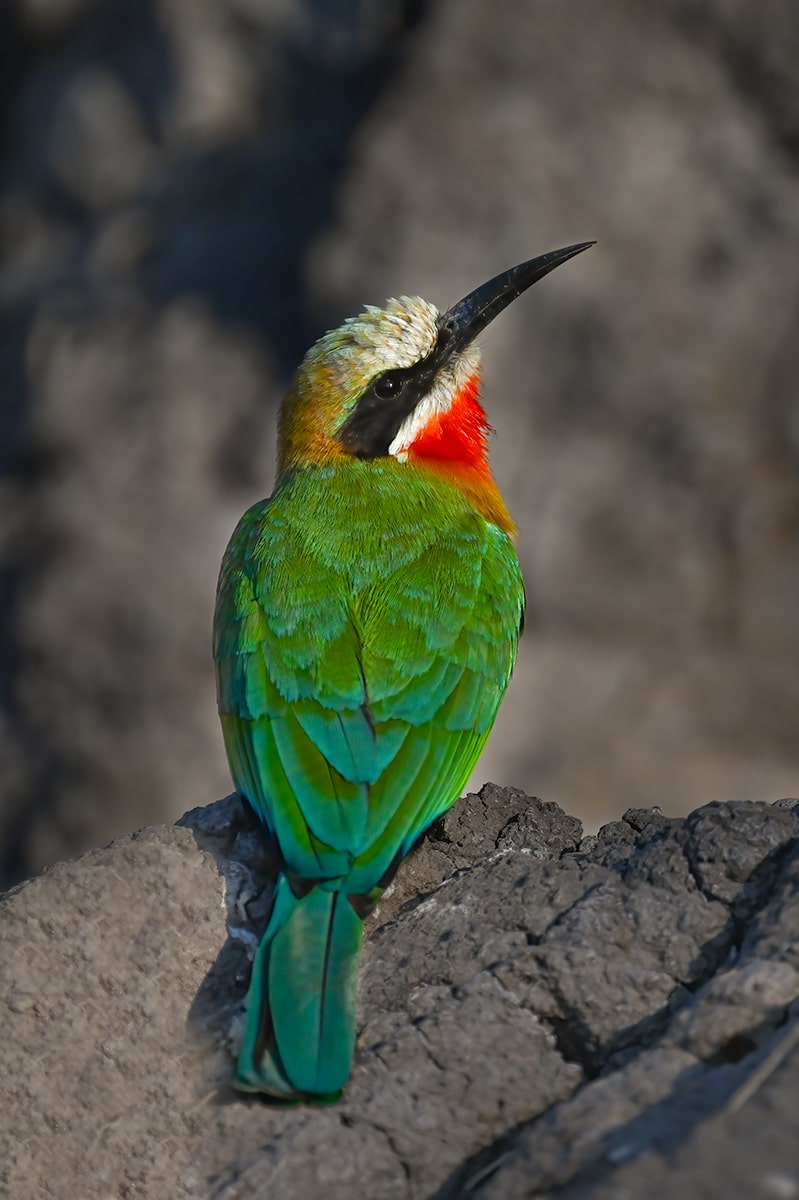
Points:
388	386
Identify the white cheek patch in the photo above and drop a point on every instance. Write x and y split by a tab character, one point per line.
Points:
448	383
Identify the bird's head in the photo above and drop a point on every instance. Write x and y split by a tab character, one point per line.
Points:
402	381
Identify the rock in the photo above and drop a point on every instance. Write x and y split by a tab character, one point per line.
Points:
610	1017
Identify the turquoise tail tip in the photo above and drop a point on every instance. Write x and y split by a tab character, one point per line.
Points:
299	1031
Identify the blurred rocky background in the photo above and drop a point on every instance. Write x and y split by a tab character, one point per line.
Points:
192	190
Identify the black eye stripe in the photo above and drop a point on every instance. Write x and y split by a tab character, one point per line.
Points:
376	419
390	398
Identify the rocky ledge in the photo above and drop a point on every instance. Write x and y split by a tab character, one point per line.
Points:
542	1013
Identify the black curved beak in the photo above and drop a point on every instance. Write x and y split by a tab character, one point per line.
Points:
462	323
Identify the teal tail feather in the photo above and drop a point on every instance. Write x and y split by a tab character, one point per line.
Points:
299	1032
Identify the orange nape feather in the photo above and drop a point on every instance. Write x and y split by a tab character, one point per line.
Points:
455	444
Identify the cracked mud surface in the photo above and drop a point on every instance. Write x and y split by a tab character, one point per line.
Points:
541	1014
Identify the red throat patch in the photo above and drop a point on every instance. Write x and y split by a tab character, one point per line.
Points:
459	436
455	445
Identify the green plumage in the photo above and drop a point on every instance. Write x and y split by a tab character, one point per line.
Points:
366	629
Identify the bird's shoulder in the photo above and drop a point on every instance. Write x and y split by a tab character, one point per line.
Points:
398	565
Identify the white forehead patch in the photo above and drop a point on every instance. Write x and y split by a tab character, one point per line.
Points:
402	332
379	339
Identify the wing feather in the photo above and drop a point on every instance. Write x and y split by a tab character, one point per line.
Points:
355	702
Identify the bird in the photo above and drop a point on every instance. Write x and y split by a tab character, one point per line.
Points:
366	626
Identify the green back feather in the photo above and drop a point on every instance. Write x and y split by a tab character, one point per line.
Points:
366	628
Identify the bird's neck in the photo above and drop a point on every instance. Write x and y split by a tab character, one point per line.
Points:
457	435
454	445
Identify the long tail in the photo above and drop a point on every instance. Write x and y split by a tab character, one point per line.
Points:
300	1027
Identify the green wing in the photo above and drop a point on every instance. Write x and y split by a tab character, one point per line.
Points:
355	702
